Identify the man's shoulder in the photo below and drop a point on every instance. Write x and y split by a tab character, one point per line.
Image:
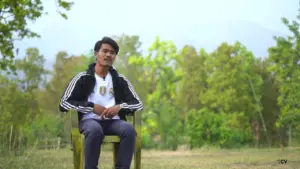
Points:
79	75
124	79
122	76
82	73
116	73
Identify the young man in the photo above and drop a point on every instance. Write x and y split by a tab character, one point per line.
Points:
102	98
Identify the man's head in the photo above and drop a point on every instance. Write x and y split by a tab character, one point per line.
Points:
106	51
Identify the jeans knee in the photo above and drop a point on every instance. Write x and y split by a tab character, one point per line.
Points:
92	129
129	130
96	132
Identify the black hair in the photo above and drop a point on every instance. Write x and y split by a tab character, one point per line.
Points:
109	41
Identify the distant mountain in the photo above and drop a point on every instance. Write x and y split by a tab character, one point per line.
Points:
209	36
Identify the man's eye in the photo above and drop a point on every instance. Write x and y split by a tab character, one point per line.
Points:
111	52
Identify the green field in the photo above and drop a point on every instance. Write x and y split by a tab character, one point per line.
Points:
197	159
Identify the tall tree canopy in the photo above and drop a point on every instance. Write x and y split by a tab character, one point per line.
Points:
14	17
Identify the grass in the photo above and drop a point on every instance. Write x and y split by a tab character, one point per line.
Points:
196	159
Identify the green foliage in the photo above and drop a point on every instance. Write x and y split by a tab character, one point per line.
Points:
285	65
19	100
222	98
159	71
226	130
228	69
31	67
43	127
194	78
14	17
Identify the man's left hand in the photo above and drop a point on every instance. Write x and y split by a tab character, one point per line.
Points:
111	112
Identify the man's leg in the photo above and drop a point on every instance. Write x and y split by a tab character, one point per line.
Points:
94	135
127	135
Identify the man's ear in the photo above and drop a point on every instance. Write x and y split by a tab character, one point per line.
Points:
95	54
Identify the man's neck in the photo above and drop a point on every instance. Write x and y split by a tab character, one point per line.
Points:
101	71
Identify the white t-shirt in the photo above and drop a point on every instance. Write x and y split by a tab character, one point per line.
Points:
102	95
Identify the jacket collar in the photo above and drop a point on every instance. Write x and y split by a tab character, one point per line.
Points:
91	70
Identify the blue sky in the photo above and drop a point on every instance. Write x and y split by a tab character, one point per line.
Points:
90	20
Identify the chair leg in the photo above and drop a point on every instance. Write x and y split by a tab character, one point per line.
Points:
115	151
137	153
78	153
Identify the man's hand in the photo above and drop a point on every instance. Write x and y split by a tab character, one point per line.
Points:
98	109
111	112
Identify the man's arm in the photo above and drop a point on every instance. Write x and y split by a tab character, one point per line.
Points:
68	102
131	100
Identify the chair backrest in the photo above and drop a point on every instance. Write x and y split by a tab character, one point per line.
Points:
70	122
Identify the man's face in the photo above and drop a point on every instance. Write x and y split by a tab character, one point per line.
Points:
106	55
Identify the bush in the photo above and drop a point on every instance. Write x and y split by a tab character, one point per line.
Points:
226	130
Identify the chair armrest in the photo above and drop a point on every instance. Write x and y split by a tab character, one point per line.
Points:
137	121
138	145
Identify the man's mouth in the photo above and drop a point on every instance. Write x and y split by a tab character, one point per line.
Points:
107	60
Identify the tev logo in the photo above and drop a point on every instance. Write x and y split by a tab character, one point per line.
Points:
282	161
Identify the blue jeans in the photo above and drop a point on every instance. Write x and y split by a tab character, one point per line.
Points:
94	131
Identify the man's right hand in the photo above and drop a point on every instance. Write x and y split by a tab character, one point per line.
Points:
98	109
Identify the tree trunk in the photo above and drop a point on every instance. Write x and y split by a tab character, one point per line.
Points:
256	132
282	137
290	135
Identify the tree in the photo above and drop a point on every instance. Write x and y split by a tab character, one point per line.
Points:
285	65
194	77
229	68
31	70
160	79
64	69
19	101
269	91
234	86
14	16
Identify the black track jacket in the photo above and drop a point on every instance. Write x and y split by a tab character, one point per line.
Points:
76	93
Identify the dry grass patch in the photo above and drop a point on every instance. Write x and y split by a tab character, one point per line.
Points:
196	159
